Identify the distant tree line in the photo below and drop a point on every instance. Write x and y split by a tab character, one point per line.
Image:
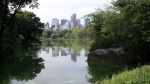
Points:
73	33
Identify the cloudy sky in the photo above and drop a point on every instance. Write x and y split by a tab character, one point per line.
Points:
63	9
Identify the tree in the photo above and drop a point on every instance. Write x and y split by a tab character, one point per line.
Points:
28	26
8	10
47	33
136	17
96	24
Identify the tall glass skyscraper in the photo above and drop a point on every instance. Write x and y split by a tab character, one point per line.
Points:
73	21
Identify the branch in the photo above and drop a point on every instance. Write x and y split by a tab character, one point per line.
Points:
12	17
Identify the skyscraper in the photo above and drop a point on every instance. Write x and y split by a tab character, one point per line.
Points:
73	21
46	26
55	23
63	21
78	23
86	21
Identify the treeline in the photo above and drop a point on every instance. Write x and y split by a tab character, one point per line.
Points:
73	33
124	24
17	27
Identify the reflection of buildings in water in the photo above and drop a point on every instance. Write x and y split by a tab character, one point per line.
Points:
55	51
46	49
64	51
50	51
74	54
77	52
73	57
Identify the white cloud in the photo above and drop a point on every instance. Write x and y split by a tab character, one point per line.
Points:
63	9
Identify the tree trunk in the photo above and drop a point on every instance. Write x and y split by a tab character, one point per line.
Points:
4	19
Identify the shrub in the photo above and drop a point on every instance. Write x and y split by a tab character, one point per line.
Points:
136	76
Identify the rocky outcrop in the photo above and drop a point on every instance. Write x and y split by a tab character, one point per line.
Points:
108	55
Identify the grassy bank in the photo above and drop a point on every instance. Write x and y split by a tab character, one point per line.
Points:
139	75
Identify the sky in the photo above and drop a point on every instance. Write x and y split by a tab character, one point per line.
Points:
63	9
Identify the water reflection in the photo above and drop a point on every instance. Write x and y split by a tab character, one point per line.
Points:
65	62
23	66
72	48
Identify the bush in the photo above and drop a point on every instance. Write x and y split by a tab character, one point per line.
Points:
136	76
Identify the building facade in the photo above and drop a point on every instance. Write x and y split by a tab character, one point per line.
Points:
46	26
73	21
55	24
63	21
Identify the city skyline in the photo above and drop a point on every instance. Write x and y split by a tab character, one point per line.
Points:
49	9
64	23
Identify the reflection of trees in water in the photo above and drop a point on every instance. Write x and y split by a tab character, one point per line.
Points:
20	67
74	44
103	70
66	47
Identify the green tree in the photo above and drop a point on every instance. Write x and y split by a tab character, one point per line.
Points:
96	24
137	20
9	8
46	34
28	26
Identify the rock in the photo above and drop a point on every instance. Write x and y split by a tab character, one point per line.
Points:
107	55
100	52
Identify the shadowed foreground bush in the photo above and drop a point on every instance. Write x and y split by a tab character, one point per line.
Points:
136	76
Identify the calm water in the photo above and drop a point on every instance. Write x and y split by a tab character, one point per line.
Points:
55	62
64	62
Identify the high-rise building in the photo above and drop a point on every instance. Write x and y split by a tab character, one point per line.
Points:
46	26
86	21
66	26
63	21
55	24
73	21
78	24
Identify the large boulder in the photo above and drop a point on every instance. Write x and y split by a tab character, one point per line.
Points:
108	55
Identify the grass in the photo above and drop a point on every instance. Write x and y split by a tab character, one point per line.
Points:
140	75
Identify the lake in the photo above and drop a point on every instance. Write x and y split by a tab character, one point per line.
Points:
64	62
55	62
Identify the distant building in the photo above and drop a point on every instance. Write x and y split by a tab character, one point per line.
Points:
66	26
86	21
73	21
63	21
55	24
78	24
46	26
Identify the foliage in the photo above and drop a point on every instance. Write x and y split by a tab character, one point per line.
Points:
74	33
103	70
125	24
16	27
73	43
46	33
9	8
23	65
96	24
139	75
28	27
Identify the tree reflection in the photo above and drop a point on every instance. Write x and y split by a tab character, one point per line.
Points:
65	47
103	70
22	66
